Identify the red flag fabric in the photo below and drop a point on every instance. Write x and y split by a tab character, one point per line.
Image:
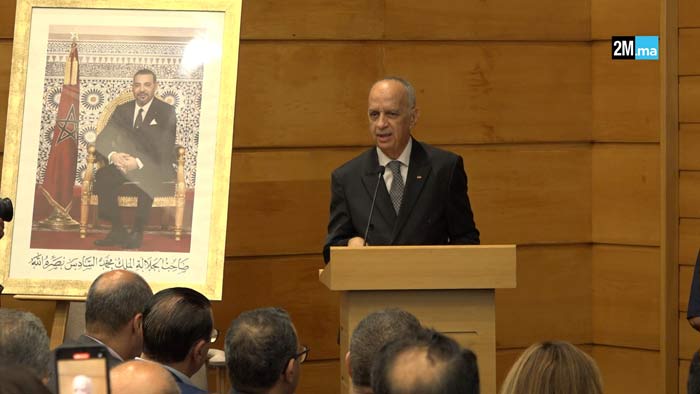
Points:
59	178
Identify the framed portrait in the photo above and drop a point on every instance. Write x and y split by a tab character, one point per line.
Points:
118	143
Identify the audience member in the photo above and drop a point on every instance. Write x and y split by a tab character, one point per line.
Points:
16	379
373	332
263	352
178	329
23	342
431	363
553	367
142	377
694	375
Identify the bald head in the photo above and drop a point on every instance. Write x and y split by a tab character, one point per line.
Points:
142	377
114	298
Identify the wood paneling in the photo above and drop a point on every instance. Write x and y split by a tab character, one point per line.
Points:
689	99
689	241
628	370
288	282
689	187
541	306
688	13
626	293
497	92
688	339
618	17
487	92
547	20
279	199
304	94
312	19
5	66
7	19
626	194
683	369
688	57
689	146
685	278
625	98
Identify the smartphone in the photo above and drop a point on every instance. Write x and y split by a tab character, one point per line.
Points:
82	370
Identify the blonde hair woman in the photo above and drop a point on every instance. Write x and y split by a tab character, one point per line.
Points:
553	367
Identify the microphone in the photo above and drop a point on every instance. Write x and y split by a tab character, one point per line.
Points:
380	173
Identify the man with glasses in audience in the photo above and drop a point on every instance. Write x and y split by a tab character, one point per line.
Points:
178	329
263	353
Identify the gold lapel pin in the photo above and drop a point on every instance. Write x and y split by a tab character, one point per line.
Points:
419	177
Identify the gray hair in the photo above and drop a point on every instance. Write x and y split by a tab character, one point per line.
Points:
410	90
373	332
23	341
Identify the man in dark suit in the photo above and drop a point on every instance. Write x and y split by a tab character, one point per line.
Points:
178	329
421	191
138	143
113	317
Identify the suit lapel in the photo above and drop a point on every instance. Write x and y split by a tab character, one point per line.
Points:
369	180
418	172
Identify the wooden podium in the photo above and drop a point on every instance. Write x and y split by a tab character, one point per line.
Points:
449	288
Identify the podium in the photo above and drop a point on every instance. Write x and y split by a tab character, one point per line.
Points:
449	288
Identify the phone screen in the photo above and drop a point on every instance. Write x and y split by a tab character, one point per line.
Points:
82	371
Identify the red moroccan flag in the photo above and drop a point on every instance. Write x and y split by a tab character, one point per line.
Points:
63	156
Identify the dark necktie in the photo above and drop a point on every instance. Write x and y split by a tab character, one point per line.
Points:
396	191
139	119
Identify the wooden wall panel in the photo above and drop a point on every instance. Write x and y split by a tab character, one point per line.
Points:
625	98
683	369
689	146
284	99
688	13
688	58
689	241
312	19
497	92
504	362
620	17
548	20
7	19
685	278
626	292
5	65
541	306
688	339
689	99
279	200
689	189
487	92
626	194
288	282
628	370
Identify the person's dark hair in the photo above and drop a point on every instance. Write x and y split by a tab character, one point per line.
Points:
23	341
373	332
145	71
110	306
694	375
447	368
173	321
259	344
16	379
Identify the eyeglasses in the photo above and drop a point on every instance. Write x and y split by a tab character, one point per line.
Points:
301	356
214	335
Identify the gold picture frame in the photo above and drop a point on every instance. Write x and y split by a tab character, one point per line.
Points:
26	270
